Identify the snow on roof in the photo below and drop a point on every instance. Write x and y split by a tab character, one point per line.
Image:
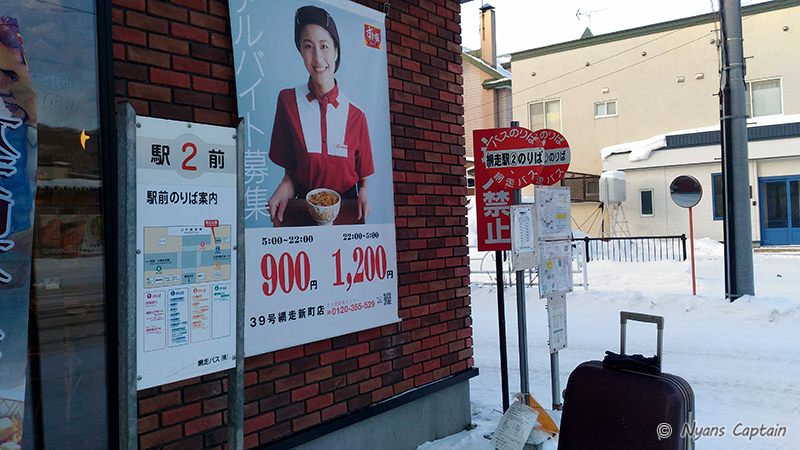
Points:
640	150
497	72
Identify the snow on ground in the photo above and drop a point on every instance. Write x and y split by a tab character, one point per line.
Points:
742	359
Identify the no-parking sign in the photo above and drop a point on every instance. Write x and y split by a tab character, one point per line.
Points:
508	159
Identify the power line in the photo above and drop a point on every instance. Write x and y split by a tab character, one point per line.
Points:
716	31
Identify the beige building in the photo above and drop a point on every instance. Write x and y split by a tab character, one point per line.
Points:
487	88
612	91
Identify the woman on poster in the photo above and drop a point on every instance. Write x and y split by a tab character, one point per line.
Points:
319	137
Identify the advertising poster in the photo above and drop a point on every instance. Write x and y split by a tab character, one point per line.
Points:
509	159
186	244
320	236
18	162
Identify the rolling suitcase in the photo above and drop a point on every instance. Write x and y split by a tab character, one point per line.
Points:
625	408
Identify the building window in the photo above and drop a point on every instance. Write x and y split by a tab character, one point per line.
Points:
717	194
471	177
545	115
646	202
583	187
605	109
763	98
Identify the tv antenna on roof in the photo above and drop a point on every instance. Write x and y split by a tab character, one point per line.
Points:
588	14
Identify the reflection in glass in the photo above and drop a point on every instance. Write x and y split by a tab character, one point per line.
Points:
67	401
775	205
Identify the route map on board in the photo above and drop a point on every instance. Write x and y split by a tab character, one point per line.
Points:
175	256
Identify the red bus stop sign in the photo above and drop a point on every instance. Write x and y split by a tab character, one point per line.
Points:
508	159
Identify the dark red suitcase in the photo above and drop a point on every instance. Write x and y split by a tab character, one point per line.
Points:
621	410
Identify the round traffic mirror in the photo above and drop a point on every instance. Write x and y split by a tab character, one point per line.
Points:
685	191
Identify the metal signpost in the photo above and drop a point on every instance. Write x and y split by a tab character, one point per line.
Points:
180	306
686	192
553	233
508	160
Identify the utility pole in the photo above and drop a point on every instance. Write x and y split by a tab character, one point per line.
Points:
735	171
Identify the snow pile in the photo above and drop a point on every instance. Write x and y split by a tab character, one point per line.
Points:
640	150
741	358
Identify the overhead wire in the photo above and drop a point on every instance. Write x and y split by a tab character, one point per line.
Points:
716	31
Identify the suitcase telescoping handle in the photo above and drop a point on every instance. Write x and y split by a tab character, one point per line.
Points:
624	316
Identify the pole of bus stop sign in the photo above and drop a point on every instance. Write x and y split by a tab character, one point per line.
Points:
501	319
522	328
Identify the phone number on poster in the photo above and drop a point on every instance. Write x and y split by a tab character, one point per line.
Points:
351	308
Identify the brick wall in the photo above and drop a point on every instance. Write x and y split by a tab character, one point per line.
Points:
172	59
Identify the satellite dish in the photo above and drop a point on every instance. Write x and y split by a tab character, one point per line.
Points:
685	191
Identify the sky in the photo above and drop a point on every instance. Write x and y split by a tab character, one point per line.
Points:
740	358
527	24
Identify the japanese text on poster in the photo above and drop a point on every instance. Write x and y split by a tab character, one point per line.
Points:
509	159
186	241
319	214
18	165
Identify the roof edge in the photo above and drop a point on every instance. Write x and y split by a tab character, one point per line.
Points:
481	64
647	30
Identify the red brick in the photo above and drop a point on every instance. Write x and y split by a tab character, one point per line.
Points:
382	394
332	357
160	437
223	87
192	66
305	392
118	51
128	35
132	4
357	350
149	57
203	424
251	441
191	33
212	117
259	422
218	9
286	384
170	78
370	385
403	386
369	360
166	44
146	23
273	372
148	423
158	8
207	22
182	414
320	402
222	72
410	372
318	347
359	375
199	5
202	391
318	374
380	369
217	404
335	410
152	404
306	421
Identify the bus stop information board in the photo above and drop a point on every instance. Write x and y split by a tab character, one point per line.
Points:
186	241
508	159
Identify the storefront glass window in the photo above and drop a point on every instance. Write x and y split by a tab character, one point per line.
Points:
66	399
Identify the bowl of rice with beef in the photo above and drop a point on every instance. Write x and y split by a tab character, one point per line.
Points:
11	412
323	204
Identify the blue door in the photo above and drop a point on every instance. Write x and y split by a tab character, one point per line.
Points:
780	210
